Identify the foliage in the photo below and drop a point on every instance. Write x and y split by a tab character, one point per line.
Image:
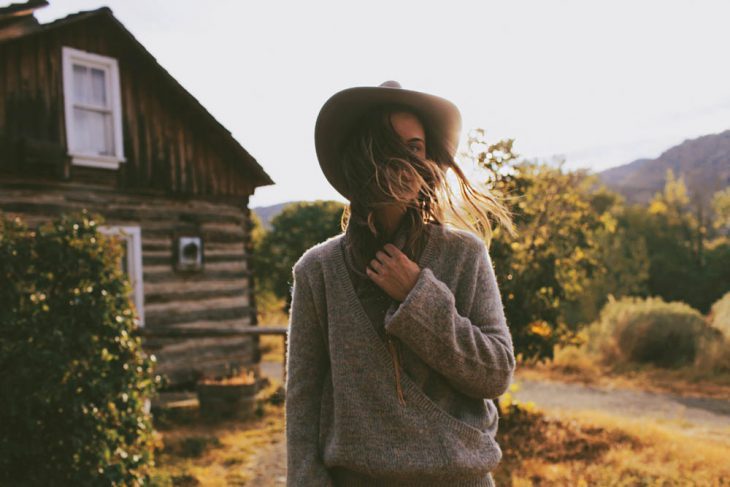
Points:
256	229
624	268
578	243
295	229
720	315
683	264
666	334
556	253
716	352
75	378
721	207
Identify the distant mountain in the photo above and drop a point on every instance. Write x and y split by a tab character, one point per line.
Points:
267	213
704	163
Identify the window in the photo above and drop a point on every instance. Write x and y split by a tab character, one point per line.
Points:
92	108
131	262
189	253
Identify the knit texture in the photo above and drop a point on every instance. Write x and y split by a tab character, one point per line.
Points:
342	414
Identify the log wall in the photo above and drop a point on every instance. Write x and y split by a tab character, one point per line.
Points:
218	298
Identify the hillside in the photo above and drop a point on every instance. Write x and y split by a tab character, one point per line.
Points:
704	163
267	213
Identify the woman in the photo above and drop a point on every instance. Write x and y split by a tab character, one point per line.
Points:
398	341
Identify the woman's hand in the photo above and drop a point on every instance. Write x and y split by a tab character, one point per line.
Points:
393	271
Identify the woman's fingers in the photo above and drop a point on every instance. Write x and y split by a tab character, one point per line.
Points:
383	256
376	265
392	250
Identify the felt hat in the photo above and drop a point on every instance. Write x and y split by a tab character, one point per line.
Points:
340	113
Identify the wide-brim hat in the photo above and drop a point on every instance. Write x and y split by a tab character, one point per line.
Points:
440	117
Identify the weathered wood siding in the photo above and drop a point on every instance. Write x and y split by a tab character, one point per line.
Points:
219	297
168	144
184	173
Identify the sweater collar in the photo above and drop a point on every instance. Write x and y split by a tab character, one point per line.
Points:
398	239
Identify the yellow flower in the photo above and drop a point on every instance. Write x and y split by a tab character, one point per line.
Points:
541	328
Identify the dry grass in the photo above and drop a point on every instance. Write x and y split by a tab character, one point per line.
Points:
539	448
573	364
195	451
597	449
270	311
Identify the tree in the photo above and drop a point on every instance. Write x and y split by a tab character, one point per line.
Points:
295	229
551	261
721	207
624	269
684	265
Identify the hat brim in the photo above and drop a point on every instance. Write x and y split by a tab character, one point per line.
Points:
344	109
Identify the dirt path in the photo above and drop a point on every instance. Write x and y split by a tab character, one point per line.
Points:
268	466
695	415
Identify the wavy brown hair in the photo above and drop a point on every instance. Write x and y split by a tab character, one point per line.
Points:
379	169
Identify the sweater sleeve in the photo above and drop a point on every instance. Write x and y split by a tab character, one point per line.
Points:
474	353
307	364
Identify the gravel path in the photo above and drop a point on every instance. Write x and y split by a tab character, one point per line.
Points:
697	415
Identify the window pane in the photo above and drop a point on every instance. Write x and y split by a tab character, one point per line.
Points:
93	132
80	78
97	94
90	86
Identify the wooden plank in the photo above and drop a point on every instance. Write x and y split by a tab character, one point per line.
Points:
208	314
195	276
185	307
199	295
209	267
192	286
178	352
234	324
166	258
133	207
205	332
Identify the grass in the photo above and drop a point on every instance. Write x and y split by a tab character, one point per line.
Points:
192	450
573	364
539	448
270	311
558	448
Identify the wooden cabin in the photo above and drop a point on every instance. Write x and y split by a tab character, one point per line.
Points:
90	120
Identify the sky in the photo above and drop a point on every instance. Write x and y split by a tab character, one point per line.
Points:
597	83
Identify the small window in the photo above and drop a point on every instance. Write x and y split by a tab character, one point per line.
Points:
93	109
131	262
189	253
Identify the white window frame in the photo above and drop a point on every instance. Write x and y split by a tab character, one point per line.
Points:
73	56
133	236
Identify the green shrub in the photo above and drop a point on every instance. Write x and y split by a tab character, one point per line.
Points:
74	377
648	331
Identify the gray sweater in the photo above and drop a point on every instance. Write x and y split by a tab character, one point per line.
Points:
344	422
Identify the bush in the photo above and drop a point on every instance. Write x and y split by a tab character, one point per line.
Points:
74	379
648	331
720	315
573	360
716	351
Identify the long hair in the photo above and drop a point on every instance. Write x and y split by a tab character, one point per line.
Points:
380	169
